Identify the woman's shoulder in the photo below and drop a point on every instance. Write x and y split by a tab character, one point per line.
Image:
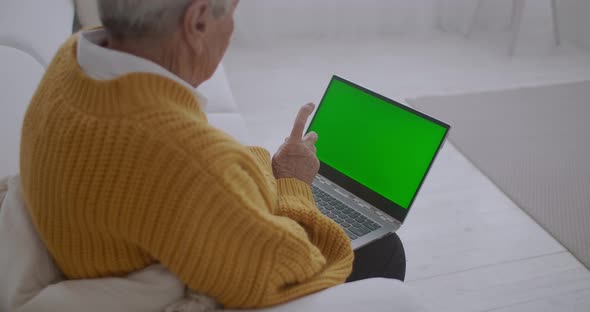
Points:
187	131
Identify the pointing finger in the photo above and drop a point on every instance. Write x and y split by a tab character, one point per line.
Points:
310	138
300	122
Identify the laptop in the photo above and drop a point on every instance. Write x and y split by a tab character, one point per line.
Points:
374	156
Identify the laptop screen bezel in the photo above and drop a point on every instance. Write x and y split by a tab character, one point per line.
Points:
386	205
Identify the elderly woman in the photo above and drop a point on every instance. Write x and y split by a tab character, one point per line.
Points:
121	170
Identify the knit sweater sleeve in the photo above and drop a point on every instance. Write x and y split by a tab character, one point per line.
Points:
295	201
226	230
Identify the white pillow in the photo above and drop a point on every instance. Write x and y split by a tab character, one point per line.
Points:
219	95
31	282
28	266
233	124
19	75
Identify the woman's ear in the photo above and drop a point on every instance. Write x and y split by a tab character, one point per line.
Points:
195	24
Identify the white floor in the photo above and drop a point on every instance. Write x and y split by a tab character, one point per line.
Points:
469	248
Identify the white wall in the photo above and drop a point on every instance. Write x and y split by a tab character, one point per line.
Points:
269	20
573	19
456	15
266	21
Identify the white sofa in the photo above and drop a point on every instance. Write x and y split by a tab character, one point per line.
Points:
30	33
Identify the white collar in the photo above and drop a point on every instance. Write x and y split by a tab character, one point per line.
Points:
101	63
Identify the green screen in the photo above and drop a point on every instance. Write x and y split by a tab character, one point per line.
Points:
380	145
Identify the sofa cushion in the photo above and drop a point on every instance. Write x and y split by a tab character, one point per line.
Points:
34	283
218	93
375	295
87	11
36	27
19	78
232	123
22	251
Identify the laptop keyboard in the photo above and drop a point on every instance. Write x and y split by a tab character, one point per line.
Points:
354	224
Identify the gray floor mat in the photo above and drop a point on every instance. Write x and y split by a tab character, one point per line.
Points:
534	143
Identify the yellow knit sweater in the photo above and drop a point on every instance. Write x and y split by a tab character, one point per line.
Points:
124	173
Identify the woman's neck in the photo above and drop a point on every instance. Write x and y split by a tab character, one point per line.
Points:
166	53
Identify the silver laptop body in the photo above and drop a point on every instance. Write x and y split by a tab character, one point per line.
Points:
385	224
363	222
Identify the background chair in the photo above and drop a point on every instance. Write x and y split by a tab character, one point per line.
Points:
518	7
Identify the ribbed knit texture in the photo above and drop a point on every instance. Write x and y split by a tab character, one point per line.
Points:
124	173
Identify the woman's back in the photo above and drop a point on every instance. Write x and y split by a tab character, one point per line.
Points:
123	173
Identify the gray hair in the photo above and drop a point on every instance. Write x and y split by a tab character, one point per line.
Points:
137	18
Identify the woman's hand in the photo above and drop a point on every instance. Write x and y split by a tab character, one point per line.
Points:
296	158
